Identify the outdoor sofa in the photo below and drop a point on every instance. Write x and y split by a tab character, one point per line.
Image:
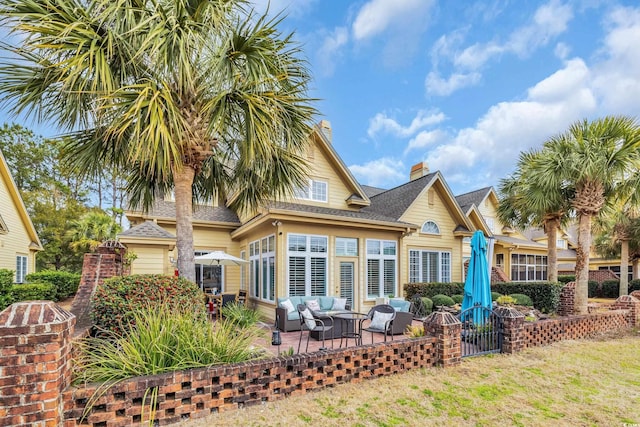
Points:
290	321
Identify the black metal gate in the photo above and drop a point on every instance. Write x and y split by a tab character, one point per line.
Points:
482	331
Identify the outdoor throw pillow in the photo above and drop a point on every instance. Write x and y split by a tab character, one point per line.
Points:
288	305
308	318
339	304
379	320
313	304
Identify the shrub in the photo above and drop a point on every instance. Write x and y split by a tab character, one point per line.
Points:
240	315
545	295
567	278
610	288
430	289
164	339
414	331
594	289
495	296
32	292
65	284
634	285
6	283
440	299
427	304
457	298
506	300
522	299
117	299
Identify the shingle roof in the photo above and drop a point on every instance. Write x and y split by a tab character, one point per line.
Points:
359	214
166	209
472	198
372	191
394	203
148	229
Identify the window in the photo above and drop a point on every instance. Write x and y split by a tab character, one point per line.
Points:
490	223
430	227
209	276
243	271
429	266
346	247
21	268
262	262
307	264
316	191
560	243
528	268
381	268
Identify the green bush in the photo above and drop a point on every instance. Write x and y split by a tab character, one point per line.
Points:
634	285
594	289
33	292
495	296
430	289
610	288
441	299
6	283
567	278
240	315
545	295
427	304
506	300
457	298
64	283
522	299
117	299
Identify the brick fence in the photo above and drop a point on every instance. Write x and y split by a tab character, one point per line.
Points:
35	360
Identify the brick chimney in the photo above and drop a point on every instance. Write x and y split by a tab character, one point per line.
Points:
325	126
418	171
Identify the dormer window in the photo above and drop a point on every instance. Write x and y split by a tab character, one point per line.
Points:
316	191
430	227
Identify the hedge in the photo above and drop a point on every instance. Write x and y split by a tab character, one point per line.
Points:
33	291
545	295
610	288
6	282
430	289
634	285
594	289
65	284
566	278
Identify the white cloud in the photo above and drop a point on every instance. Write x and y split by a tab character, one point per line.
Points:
562	50
379	173
377	16
329	53
381	123
436	85
425	139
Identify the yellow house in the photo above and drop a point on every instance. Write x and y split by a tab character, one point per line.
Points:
520	258
19	241
334	238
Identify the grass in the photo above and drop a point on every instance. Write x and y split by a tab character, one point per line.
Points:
570	383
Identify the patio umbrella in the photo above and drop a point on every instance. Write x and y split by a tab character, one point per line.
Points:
477	286
219	258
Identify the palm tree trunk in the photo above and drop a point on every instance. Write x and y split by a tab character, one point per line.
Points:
552	250
183	182
635	264
624	268
582	264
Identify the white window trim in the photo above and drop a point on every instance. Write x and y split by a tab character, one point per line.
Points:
260	256
527	265
307	254
22	268
344	242
308	192
440	269
382	257
437	233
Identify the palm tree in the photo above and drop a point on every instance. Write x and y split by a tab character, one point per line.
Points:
196	96
523	203
589	161
92	230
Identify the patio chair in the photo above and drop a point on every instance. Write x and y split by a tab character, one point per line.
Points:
310	323
241	297
381	319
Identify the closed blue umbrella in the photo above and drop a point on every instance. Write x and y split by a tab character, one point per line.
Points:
477	286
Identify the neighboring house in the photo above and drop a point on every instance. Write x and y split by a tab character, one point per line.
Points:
519	257
334	238
19	241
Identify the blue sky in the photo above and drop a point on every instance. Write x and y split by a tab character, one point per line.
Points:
463	86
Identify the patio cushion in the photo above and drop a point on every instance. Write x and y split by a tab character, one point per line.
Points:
308	319
339	304
288	305
380	320
313	304
326	303
400	304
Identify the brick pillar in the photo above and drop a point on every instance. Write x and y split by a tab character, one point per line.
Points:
447	330
513	329
632	305
635	294
35	363
567	299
